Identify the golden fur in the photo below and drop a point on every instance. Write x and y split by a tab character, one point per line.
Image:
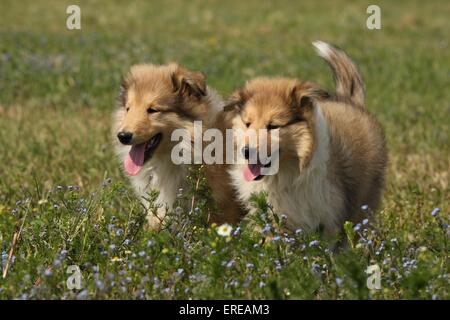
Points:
331	150
157	99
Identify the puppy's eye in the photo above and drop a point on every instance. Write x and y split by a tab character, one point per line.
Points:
151	110
127	108
272	126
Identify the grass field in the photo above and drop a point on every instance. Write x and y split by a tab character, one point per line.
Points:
64	200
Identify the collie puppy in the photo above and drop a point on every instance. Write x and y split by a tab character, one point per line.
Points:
154	100
330	154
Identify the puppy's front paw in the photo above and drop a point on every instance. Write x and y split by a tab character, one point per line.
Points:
153	223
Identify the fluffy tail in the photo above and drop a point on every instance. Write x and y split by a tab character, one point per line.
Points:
349	84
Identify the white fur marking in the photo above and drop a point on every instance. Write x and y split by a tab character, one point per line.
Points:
323	49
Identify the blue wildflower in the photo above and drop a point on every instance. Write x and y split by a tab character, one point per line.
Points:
48	273
315	267
230	264
277	265
156	282
435	212
314	243
4	258
99	285
266	229
57	263
83	295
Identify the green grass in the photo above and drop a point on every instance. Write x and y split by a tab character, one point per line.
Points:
57	91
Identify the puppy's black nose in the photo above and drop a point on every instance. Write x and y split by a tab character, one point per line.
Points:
125	137
246	152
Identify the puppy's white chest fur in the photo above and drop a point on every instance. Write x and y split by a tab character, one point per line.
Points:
162	175
159	174
307	198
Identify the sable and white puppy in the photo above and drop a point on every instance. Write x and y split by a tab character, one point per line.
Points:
153	101
331	151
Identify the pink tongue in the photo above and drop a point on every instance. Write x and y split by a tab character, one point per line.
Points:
135	159
252	171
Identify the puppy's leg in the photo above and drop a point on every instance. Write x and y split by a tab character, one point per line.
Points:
155	221
230	212
230	209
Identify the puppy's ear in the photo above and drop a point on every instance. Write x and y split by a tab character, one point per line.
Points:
188	83
236	101
122	96
304	95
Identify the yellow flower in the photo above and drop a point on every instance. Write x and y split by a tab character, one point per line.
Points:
224	230
115	259
165	250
